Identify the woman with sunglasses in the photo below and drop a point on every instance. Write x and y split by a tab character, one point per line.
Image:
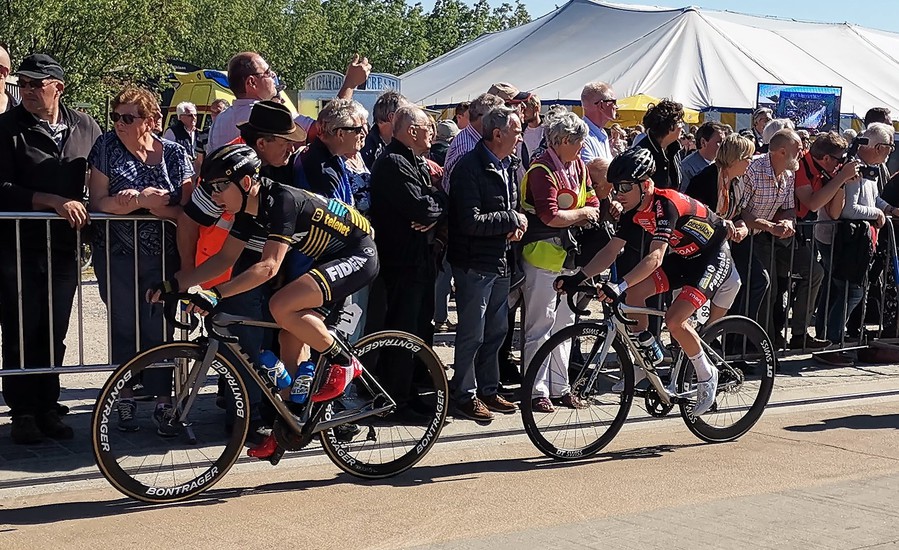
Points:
135	172
700	264
720	187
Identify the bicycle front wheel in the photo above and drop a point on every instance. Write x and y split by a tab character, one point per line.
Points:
746	366
191	458
382	446
569	362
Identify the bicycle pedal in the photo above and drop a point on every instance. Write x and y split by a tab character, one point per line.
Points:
276	456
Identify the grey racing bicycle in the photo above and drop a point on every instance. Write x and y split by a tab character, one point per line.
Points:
360	431
594	356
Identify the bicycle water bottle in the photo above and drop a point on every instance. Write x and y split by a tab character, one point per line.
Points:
299	393
650	347
274	369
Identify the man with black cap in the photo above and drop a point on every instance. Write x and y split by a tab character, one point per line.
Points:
43	151
272	133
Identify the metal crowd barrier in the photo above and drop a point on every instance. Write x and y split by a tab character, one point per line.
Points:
806	239
80	365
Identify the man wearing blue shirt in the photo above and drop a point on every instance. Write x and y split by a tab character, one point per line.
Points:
600	107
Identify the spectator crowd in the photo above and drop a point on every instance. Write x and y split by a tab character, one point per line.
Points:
489	206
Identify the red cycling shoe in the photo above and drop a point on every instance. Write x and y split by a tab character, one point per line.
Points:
265	449
339	377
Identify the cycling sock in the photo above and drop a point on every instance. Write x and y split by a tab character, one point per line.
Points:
702	366
337	352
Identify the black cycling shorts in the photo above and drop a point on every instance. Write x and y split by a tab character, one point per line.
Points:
699	278
352	269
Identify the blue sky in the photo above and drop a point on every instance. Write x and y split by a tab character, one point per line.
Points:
879	14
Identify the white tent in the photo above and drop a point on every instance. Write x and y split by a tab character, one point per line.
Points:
708	60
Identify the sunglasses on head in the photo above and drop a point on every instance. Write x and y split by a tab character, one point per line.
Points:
219	186
625	186
126	118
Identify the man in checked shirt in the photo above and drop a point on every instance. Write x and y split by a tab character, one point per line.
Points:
769	211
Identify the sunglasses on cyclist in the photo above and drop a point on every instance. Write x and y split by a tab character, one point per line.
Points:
625	186
126	118
218	186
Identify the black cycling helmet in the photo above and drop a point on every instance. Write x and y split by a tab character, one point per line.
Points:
231	163
635	165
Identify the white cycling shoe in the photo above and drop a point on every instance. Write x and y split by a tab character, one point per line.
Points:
705	394
639	376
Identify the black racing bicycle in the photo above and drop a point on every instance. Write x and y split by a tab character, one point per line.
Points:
592	357
359	431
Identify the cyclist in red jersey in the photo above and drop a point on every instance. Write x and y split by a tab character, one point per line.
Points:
688	251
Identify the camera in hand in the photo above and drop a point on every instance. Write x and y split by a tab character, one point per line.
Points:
866	171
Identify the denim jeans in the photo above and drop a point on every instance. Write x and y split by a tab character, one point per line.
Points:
754	278
482	302
843	297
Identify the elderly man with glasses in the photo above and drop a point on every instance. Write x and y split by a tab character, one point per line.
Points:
43	151
184	130
600	107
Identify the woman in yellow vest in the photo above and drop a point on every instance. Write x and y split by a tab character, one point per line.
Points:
557	197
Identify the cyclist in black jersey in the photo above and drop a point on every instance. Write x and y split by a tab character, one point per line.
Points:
688	251
335	237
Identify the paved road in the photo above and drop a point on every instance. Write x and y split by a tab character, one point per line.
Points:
821	470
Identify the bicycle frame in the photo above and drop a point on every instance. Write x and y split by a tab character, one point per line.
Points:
616	329
309	421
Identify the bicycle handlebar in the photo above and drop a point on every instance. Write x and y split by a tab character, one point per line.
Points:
591	291
171	301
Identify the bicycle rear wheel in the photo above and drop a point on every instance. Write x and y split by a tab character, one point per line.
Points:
568	433
385	446
145	466
745	379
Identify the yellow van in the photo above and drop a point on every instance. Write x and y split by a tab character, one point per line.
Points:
200	87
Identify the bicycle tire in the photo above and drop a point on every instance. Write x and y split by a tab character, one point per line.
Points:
358	457
541	430
721	423
123	456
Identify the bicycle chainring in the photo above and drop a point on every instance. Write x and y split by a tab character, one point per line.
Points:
287	438
654	404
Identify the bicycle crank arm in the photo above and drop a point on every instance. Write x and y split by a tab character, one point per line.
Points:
347	417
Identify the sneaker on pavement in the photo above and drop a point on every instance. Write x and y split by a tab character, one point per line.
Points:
126	409
164	416
705	394
498	403
25	430
339	377
346	432
573	402
807	342
542	405
639	376
474	410
51	426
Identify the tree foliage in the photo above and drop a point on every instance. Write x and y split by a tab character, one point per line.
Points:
105	43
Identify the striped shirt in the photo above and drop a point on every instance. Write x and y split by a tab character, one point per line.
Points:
764	195
461	144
